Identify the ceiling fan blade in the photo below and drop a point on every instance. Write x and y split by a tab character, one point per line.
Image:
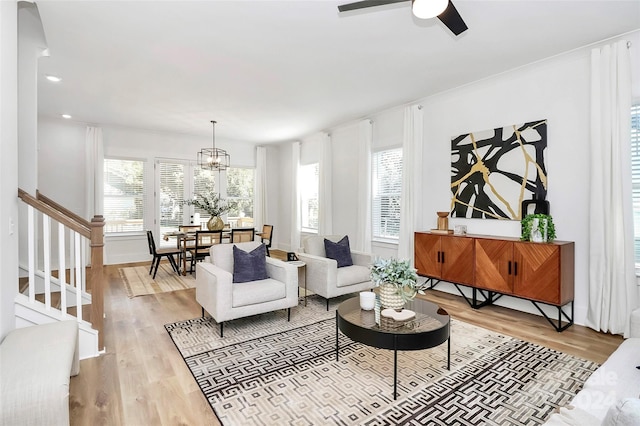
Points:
452	19
366	3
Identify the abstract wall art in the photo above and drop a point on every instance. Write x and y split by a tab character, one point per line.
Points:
493	171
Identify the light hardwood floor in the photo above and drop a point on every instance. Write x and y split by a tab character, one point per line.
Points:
142	380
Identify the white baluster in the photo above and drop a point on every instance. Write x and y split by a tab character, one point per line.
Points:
32	248
62	270
46	234
84	266
72	263
78	255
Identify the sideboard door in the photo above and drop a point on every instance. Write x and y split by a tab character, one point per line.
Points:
538	274
457	259
427	254
494	265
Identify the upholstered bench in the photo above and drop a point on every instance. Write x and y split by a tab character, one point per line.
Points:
611	396
35	365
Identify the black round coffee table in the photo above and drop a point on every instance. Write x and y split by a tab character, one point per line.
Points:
429	328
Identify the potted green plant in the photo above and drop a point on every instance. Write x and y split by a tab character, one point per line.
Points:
213	204
397	282
538	228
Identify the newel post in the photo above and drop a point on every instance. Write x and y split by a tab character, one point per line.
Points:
97	277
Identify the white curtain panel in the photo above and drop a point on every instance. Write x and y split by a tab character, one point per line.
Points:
94	171
260	188
363	213
612	292
295	196
411	178
325	200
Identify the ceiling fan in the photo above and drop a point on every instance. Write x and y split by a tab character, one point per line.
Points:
424	9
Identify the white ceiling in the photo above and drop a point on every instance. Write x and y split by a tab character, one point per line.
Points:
270	71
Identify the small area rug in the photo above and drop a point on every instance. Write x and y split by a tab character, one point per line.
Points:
268	371
138	282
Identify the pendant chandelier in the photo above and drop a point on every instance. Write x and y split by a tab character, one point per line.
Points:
214	158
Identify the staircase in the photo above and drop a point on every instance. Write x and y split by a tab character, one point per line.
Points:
59	240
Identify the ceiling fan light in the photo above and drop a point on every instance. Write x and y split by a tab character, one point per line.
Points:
426	9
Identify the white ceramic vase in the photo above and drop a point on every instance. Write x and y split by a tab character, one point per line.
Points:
390	298
539	230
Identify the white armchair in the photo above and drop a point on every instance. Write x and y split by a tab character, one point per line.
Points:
323	276
225	300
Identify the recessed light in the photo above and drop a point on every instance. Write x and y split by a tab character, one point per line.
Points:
54	78
67	116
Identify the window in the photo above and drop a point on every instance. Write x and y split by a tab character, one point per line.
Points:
387	187
309	197
635	177
171	184
123	195
240	196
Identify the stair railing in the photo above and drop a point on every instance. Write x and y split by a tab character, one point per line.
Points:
80	232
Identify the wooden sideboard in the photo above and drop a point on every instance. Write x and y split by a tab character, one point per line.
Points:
496	266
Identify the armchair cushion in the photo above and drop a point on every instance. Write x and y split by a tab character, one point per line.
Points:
352	274
253	293
249	266
340	251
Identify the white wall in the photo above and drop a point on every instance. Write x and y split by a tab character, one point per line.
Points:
62	176
8	164
556	89
61	149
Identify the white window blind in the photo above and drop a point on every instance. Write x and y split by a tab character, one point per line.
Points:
635	176
123	195
309	196
240	183
387	187
171	184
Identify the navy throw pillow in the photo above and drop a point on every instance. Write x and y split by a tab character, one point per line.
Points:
339	251
251	266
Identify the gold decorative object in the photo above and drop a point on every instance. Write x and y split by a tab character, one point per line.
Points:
443	224
215	224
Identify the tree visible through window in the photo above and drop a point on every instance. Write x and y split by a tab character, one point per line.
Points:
387	188
123	195
240	194
309	196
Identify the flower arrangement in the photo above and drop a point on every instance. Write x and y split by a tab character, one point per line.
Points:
398	273
210	202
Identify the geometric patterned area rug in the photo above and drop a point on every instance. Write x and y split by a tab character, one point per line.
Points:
266	371
138	281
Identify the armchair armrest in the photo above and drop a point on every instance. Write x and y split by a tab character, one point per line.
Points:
321	272
362	259
283	272
213	289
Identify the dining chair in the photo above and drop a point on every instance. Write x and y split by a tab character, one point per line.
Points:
204	240
266	235
186	243
242	235
158	254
